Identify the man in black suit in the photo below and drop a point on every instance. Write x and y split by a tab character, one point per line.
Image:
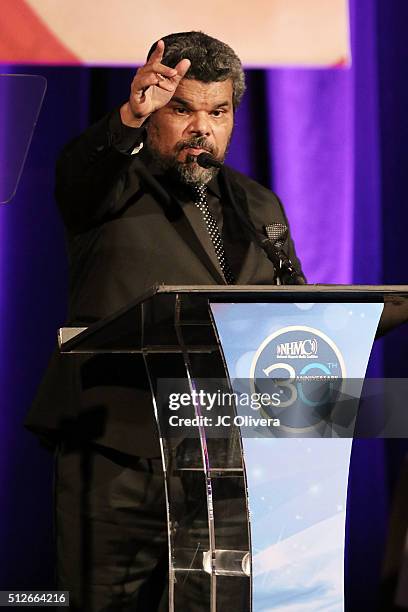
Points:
139	210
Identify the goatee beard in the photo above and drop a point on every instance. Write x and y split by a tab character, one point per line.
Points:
187	172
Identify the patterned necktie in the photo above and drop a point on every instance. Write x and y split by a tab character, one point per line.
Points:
212	228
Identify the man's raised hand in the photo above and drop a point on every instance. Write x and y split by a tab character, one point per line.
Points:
152	87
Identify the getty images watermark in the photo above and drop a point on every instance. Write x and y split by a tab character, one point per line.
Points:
292	407
211	402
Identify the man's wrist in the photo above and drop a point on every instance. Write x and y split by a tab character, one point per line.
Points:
125	138
128	118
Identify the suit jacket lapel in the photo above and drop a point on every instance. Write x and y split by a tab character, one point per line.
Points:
239	201
203	239
196	233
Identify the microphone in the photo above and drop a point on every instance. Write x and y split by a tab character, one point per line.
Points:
273	247
206	160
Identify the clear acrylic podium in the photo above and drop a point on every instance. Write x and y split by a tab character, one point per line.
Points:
21	97
215	525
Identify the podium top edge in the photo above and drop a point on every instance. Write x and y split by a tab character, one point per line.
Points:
395	294
259	289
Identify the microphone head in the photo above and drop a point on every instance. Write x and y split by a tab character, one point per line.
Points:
206	160
277	233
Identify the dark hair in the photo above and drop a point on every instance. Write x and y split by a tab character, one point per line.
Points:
211	59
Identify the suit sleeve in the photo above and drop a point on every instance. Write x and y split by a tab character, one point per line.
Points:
91	171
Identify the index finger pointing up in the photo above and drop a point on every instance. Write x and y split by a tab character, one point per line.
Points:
158	53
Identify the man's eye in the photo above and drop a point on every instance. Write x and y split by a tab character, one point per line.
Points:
180	110
217	113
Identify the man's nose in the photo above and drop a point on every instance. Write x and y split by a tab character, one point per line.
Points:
200	124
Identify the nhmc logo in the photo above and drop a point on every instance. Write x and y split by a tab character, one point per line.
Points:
305	366
300	349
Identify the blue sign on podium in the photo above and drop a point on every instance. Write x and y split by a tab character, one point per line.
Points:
297	481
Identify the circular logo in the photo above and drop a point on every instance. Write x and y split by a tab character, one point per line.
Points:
306	368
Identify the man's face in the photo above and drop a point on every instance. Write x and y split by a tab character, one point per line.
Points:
198	118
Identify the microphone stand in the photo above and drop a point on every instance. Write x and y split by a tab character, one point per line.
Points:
287	272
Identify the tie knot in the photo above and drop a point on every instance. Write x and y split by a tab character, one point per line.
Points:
200	192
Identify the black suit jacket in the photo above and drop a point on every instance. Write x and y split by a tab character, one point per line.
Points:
125	234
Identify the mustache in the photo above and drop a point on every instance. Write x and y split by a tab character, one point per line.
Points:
195	143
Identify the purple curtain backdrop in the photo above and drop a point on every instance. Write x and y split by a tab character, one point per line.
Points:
332	144
310	131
